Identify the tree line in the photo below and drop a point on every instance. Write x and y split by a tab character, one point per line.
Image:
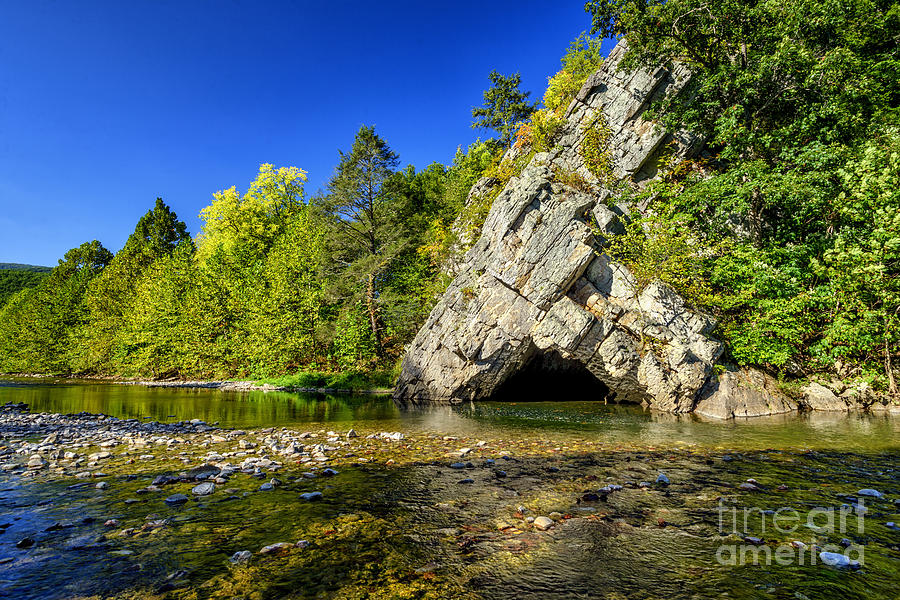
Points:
786	228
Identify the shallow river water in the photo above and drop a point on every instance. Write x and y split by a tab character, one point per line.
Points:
403	524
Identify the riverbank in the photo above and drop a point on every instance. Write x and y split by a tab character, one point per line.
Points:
191	509
284	384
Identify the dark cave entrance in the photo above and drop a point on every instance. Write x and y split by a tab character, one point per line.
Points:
547	376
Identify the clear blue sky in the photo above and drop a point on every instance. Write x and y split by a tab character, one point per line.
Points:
106	105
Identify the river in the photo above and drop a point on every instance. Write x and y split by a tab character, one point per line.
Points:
404	524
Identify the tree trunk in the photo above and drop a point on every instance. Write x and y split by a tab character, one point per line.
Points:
373	315
889	369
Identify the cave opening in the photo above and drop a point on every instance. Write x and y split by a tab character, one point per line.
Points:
547	376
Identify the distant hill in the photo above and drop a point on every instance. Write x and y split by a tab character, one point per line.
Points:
15	277
21	267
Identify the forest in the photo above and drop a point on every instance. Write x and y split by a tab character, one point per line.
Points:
786	228
15	277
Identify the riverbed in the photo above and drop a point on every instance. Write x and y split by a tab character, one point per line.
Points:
551	499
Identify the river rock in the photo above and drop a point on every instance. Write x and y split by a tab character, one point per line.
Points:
742	393
204	472
837	560
275	548
240	557
543	523
536	285
204	489
176	499
819	397
311	496
870	493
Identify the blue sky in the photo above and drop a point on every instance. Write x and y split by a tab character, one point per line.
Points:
106	105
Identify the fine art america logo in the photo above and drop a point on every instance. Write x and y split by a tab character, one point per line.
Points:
753	524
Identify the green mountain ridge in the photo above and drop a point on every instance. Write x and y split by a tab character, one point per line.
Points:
22	267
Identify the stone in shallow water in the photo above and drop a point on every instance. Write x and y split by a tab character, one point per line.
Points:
204	472
204	489
870	493
279	547
661	479
266	487
240	557
543	523
838	560
311	496
176	499
102	485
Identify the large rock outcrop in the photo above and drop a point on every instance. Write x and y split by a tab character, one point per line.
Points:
536	281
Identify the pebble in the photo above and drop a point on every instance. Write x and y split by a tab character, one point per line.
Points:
329	472
241	557
543	523
204	489
458	465
466	481
870	493
25	543
311	496
176	499
661	479
278	547
102	485
266	487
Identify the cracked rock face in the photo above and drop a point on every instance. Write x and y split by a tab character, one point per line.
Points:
536	281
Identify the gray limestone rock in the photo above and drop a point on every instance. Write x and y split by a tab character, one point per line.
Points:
746	393
819	397
537	282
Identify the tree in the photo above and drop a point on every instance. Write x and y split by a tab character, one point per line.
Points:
109	300
364	216
505	107
255	219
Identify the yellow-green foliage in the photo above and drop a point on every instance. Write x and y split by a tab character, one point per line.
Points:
661	249
573	179
255	217
595	149
582	58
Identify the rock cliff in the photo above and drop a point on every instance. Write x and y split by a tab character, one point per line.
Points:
536	286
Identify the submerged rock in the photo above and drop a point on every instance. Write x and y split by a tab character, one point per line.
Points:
204	489
176	499
543	523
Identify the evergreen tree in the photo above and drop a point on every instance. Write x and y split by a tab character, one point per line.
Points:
505	107
364	215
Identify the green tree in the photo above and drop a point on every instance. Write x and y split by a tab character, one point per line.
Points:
363	214
505	107
255	218
109	301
